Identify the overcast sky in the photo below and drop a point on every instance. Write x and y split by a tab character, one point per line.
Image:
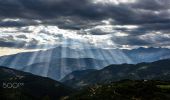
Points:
35	24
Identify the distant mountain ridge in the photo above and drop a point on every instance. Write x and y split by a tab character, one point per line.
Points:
159	70
60	61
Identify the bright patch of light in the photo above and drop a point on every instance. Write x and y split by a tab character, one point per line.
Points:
107	22
120	34
157	12
111	27
126	47
8	29
115	2
9	19
3	51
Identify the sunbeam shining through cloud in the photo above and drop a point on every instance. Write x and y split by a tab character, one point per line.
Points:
53	38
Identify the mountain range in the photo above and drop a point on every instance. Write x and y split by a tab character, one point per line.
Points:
159	70
143	81
60	61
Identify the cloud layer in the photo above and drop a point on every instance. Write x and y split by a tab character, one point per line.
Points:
103	23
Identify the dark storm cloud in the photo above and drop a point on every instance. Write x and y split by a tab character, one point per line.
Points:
155	5
149	28
11	44
78	11
98	32
74	23
23	44
140	12
47	8
19	23
149	15
150	40
131	41
156	27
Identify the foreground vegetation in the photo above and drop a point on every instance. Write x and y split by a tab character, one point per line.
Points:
125	90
